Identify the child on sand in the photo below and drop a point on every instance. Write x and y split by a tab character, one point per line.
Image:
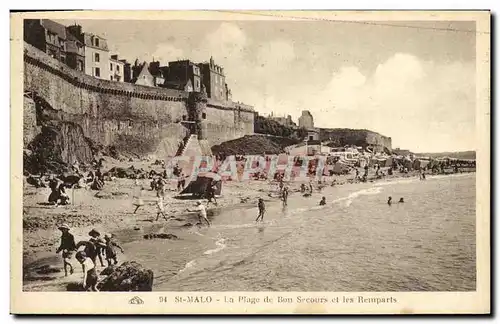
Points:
202	212
323	201
110	249
284	196
160	208
262	210
67	247
89	273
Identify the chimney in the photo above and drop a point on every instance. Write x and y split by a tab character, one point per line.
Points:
75	30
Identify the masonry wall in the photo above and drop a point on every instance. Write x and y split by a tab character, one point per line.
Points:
116	113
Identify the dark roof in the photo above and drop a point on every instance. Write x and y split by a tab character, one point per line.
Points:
54	27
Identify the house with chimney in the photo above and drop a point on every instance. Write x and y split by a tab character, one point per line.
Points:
48	36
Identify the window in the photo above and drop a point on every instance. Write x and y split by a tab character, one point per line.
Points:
97	43
111	66
96	57
97	72
111	77
311	137
79	65
118	68
203	115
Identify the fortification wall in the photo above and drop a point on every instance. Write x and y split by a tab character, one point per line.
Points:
225	123
121	114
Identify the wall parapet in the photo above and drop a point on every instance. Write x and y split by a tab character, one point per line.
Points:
229	105
34	56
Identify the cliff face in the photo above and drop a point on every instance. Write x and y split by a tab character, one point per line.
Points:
359	137
138	119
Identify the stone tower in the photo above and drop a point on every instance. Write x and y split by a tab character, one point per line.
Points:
197	113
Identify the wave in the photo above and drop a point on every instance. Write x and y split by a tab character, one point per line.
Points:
364	192
188	265
220	246
414	179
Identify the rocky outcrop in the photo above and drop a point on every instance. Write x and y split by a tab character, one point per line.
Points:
165	236
55	147
130	276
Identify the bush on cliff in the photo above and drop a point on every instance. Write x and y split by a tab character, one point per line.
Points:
263	125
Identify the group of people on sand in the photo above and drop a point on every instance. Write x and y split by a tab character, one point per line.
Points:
87	253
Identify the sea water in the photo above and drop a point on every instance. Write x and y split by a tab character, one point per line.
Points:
357	242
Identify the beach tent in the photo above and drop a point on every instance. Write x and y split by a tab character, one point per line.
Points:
340	168
199	187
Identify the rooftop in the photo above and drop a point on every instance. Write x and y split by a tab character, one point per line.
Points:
54	27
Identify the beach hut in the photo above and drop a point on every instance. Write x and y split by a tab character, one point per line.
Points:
199	187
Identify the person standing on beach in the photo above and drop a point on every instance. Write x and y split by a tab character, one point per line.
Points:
262	210
138	201
202	212
160	187
210	193
284	196
67	247
160	208
181	182
89	273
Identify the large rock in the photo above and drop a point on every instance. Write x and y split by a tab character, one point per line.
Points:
130	276
165	236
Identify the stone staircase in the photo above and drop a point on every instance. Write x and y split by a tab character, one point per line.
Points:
191	147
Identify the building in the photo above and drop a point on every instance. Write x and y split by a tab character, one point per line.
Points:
127	71
116	69
183	75
75	53
48	36
285	121
158	72
147	74
214	80
306	120
96	56
144	77
312	135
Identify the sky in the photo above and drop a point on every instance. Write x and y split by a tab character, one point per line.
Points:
415	84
